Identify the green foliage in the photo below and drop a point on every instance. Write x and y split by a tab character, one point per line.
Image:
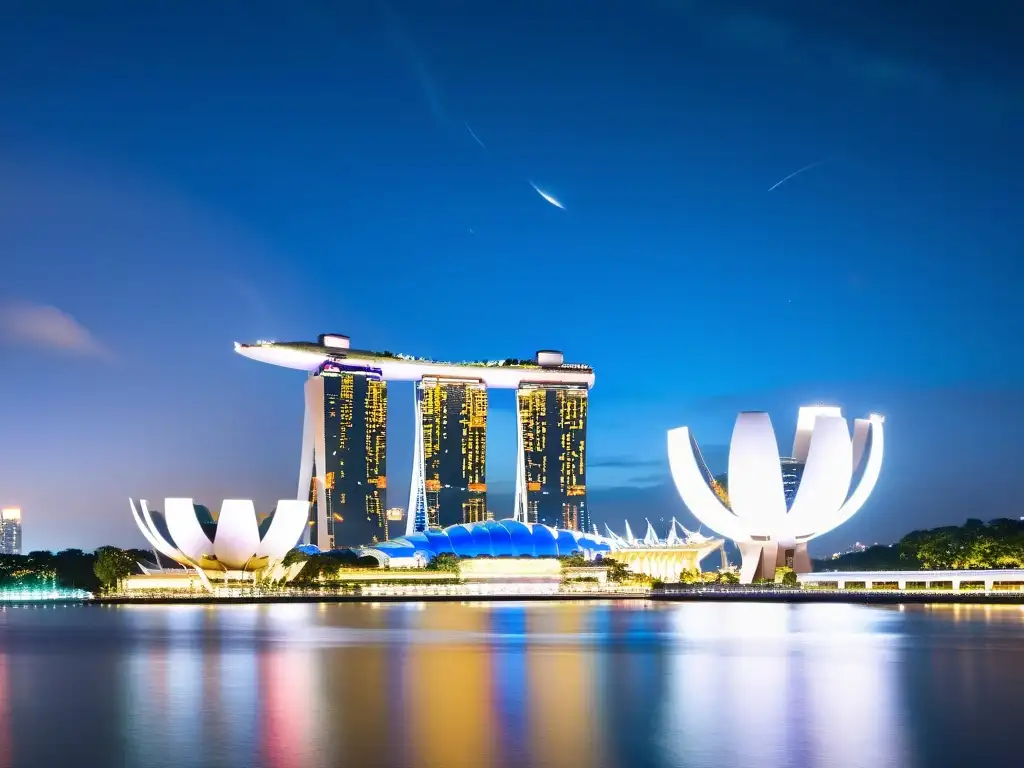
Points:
728	577
617	572
445	562
694	576
996	544
786	576
876	558
72	567
575	560
691	576
111	565
293	556
318	568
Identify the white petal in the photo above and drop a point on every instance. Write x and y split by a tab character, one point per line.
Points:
696	494
755	475
285	529
805	425
826	477
866	485
238	534
184	528
153	536
861	427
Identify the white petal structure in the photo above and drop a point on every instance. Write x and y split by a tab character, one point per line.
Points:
772	516
236	544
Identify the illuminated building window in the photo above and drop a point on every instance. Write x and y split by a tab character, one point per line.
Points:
553	427
355	475
453	414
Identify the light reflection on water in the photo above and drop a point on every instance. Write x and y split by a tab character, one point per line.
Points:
508	685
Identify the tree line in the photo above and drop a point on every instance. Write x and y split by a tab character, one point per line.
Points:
72	568
974	545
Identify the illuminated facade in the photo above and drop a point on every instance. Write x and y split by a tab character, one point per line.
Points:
10	531
344	456
236	543
450	481
449	458
494	538
551	477
774	507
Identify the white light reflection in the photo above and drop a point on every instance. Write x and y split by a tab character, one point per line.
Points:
811	685
852	707
163	684
239	679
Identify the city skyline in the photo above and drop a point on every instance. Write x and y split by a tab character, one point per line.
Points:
169	188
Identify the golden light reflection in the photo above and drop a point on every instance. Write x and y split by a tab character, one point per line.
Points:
562	706
359	684
447	692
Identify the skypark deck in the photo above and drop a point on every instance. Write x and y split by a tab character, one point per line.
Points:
547	368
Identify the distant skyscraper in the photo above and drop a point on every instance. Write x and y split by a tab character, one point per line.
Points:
551	484
451	444
10	531
344	455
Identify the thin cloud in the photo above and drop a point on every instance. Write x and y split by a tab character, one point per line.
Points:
624	462
45	327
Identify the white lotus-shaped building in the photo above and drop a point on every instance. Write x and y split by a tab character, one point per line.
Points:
828	478
237	541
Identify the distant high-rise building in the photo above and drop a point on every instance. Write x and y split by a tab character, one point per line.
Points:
10	531
344	455
452	448
551	483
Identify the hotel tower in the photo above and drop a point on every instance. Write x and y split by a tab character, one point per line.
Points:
342	468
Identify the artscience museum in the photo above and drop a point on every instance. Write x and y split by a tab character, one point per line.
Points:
773	506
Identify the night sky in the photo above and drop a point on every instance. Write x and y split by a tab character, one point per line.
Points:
179	175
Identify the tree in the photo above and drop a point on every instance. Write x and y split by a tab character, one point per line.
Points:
293	556
691	576
575	560
446	562
112	565
786	576
75	569
617	572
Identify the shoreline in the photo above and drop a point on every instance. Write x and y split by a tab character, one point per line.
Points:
749	596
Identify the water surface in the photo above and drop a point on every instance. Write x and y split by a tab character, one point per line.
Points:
627	685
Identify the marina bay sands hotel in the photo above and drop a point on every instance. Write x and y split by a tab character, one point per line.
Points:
344	438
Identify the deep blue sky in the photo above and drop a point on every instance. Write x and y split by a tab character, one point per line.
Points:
175	176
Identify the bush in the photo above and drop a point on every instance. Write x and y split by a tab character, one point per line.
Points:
575	560
293	556
445	562
617	572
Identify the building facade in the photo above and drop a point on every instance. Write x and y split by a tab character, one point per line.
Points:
10	531
344	469
551	482
448	484
452	415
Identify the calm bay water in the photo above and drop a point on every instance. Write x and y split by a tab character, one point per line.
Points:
539	684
